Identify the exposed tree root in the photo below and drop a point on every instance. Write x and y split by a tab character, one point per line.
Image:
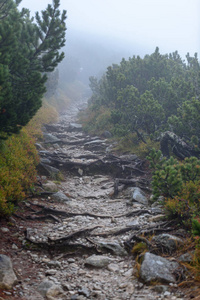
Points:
116	231
43	218
117	166
47	210
72	236
50	211
138	212
63	244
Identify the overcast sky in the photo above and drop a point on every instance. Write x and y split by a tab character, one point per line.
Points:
169	24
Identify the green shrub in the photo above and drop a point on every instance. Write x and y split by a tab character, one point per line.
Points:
17	170
130	143
170	175
179	183
103	121
196	227
96	121
185	206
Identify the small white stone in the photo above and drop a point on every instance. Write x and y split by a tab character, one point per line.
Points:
123	285
51	272
14	247
5	230
71	260
166	294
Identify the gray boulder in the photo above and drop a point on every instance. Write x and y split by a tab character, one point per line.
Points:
157	268
167	242
107	134
138	195
54	263
50	186
49	290
114	247
84	291
60	197
186	257
113	268
75	127
50	138
47	170
98	261
7	275
45	161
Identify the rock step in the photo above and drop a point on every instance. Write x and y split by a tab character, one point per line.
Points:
81	230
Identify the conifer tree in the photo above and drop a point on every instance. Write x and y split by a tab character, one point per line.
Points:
28	51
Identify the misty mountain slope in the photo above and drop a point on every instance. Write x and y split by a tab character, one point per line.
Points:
89	55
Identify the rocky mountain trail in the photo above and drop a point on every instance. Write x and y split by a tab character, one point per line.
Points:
73	239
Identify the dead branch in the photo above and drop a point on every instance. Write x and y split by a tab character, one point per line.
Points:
51	211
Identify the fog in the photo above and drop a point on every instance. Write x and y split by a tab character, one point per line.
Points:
102	32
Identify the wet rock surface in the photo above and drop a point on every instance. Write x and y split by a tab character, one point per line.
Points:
78	242
7	276
155	268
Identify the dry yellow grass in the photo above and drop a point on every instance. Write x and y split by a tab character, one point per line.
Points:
45	115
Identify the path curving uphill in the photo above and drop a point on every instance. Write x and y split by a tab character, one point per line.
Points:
82	228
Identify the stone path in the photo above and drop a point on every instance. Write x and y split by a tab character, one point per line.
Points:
97	265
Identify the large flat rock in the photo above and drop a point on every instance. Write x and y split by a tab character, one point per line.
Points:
156	268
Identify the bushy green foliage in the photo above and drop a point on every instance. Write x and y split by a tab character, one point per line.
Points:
196	227
28	51
186	204
150	95
179	183
19	158
169	175
96	121
167	179
130	143
17	170
186	123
